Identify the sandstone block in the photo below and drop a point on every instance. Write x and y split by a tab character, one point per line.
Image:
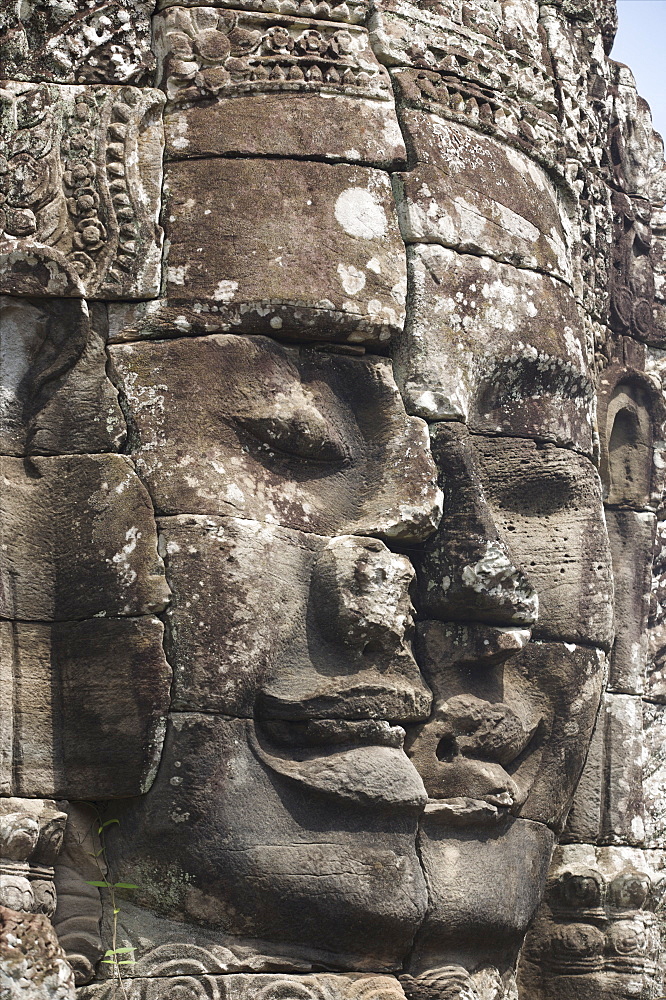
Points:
462	902
522	542
309	837
56	396
79	539
246	262
654	725
631	537
327	635
334	127
476	195
101	736
498	346
609	800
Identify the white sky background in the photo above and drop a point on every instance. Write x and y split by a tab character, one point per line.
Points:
641	44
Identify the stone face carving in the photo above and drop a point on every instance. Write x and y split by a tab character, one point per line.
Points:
331	445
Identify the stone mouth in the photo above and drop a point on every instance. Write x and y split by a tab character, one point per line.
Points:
370	771
312	733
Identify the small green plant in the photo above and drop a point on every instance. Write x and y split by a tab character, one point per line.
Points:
114	956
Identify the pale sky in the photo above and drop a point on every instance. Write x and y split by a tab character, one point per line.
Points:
640	43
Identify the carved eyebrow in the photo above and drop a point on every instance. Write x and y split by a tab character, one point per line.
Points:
515	378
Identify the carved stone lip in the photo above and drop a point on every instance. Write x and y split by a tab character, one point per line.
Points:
369	694
463	811
364	774
311	733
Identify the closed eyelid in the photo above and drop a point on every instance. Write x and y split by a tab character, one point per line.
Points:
295	426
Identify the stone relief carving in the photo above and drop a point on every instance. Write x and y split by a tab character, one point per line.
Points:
80	174
332	449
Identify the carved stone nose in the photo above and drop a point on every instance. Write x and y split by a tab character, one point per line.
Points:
362	594
467	572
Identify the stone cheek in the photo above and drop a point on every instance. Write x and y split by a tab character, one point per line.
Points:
488	710
244	426
339	273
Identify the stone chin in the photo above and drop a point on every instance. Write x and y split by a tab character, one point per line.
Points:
297	854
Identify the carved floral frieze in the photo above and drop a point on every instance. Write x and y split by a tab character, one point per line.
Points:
82	42
80	175
206	52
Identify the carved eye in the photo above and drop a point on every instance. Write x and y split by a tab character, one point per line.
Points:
306	436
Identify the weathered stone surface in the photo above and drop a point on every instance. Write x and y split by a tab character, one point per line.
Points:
328	634
472	194
205	52
464	906
82	171
244	426
609	802
241	263
631	537
498	346
522	541
78	915
31	834
655	682
323	126
79	539
86	42
346	11
350	781
510	726
310	836
631	423
55	396
32	963
102	736
481	48
321	986
654	725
